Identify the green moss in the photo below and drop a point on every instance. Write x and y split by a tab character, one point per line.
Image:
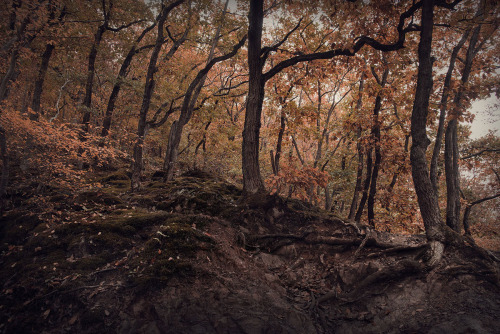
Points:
120	184
138	219
110	240
15	228
98	197
120	175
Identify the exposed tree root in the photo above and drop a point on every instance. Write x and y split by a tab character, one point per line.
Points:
398	270
273	242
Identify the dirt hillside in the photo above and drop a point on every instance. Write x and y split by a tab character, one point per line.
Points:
190	256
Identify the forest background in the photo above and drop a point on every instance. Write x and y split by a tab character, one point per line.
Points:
167	86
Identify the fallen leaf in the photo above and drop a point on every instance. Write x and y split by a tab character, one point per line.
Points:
73	319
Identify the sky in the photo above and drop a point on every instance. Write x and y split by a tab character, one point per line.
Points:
487	117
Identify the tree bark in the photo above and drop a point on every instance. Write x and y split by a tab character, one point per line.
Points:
442	112
252	180
87	101
279	143
189	102
378	156
146	98
359	174
5	168
427	197
106	124
37	93
4	85
366	185
451	153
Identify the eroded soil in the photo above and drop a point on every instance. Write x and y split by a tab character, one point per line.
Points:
189	257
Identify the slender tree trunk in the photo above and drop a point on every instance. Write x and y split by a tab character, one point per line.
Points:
279	142
42	72
5	168
146	100
122	74
451	153
9	75
366	185
442	112
359	174
395	176
427	197
190	99
378	156
87	101
376	165
469	207
359	179
106	124
252	180
202	143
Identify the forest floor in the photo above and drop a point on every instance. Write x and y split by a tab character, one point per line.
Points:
189	256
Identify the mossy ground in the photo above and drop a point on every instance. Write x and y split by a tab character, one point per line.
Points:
71	265
148	236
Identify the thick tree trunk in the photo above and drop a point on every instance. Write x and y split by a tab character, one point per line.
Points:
252	180
427	197
42	72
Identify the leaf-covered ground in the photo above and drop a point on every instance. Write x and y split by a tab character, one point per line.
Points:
190	256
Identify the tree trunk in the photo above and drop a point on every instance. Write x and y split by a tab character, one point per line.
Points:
442	112
106	124
9	75
5	168
252	180
451	157
359	174
376	165
359	179
468	209
190	98
87	101
451	153
366	185
394	179
427	197
279	142
146	100
37	94
378	156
